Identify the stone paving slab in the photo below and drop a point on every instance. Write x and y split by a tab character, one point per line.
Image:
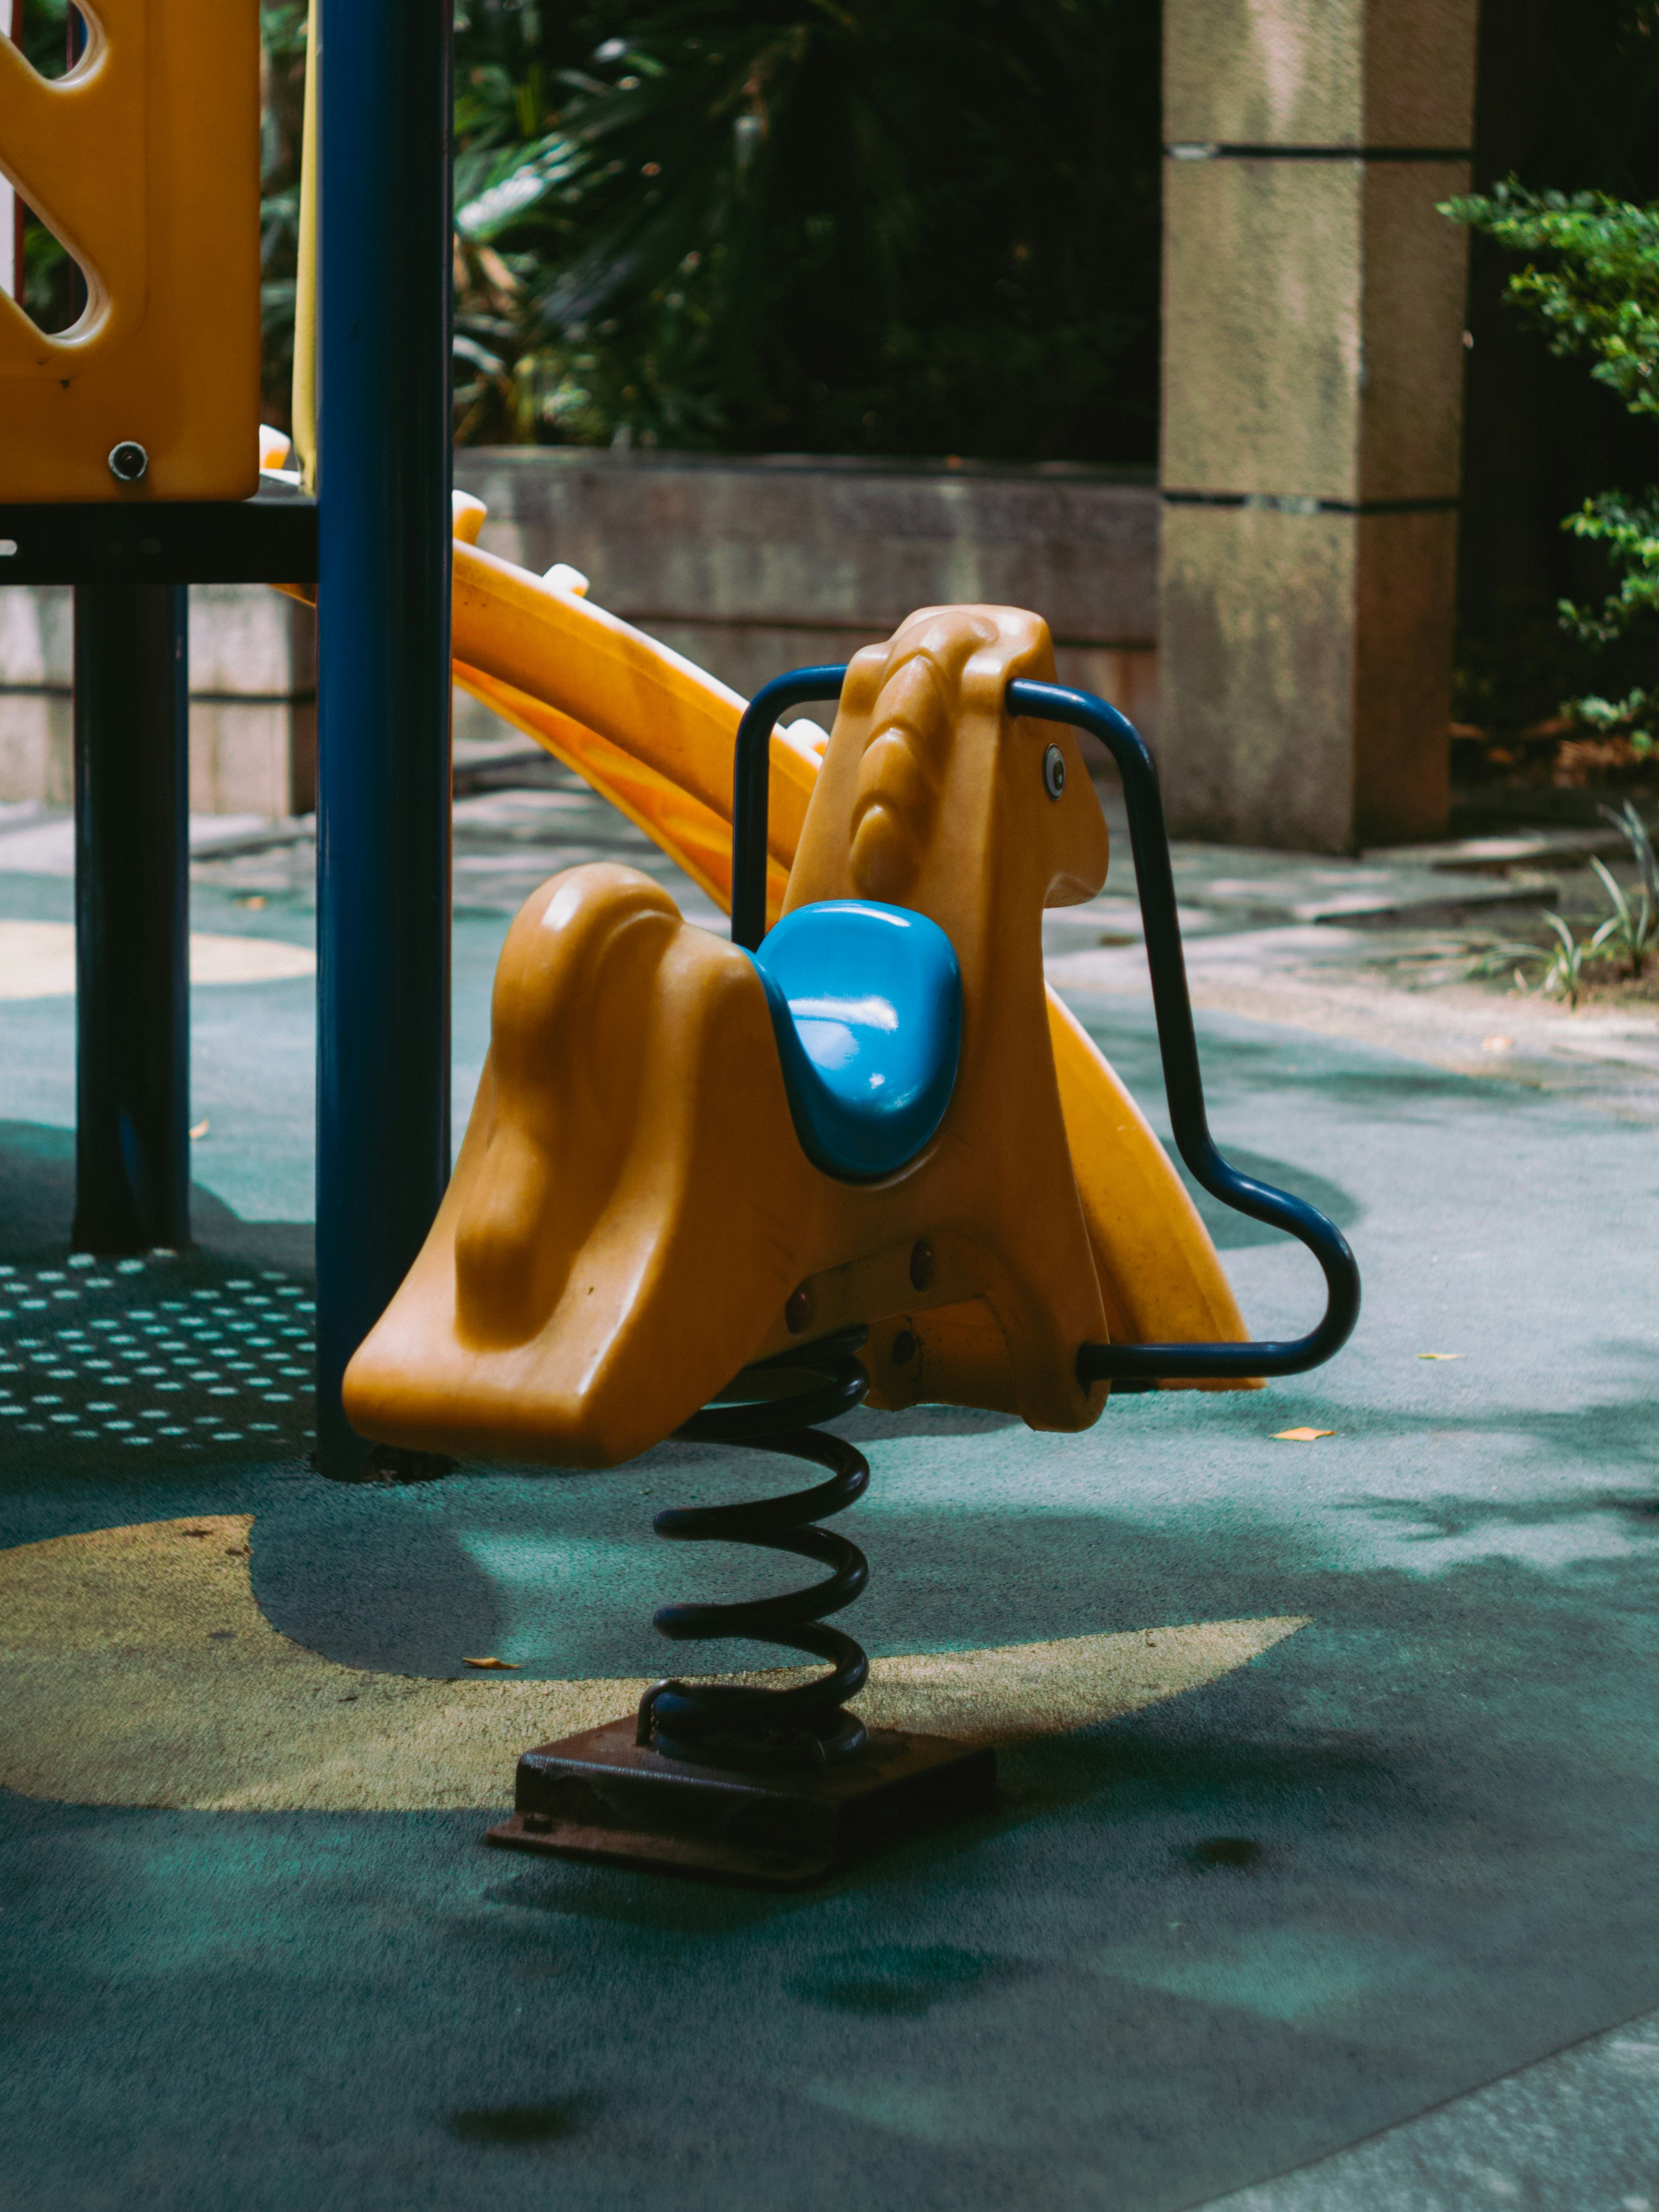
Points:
1578	2132
40	840
1298	888
1506	849
1329	982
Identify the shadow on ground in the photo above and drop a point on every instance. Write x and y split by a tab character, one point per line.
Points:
1407	1850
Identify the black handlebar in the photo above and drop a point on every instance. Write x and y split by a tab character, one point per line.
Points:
1130	1364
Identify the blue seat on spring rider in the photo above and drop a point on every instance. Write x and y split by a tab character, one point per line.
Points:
867	1007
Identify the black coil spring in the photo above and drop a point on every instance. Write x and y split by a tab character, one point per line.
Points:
773	1406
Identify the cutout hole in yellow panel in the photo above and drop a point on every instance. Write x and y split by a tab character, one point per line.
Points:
53	291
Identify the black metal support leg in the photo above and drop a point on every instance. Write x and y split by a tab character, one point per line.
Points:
132	916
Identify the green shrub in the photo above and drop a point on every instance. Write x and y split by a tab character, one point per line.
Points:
1592	282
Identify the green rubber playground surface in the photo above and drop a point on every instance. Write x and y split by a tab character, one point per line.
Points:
1406	1850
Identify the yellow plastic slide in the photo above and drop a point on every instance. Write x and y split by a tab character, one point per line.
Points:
655	734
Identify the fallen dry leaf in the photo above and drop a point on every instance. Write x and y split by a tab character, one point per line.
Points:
1300	1436
506	1666
1440	1355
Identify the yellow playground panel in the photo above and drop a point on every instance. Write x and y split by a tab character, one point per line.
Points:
143	161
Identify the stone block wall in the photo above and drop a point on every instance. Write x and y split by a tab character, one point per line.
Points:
747	566
253	708
253	701
750	567
37	652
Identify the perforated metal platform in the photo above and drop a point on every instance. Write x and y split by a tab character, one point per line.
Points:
145	1351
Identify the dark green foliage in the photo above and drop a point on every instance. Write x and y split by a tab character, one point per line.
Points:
902	228
1596	286
282	34
883	226
1567	96
1592	281
508	57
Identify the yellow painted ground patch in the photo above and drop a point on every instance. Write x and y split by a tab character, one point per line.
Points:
136	1668
37	960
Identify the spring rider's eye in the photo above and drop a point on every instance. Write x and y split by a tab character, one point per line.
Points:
1053	772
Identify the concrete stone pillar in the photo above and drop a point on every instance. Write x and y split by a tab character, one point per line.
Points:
1313	320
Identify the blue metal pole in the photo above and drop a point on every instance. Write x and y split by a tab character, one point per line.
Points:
383	687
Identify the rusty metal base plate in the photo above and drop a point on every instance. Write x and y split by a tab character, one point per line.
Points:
602	1795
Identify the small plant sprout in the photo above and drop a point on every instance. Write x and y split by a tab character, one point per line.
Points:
1633	926
1564	969
1562	964
1630	932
